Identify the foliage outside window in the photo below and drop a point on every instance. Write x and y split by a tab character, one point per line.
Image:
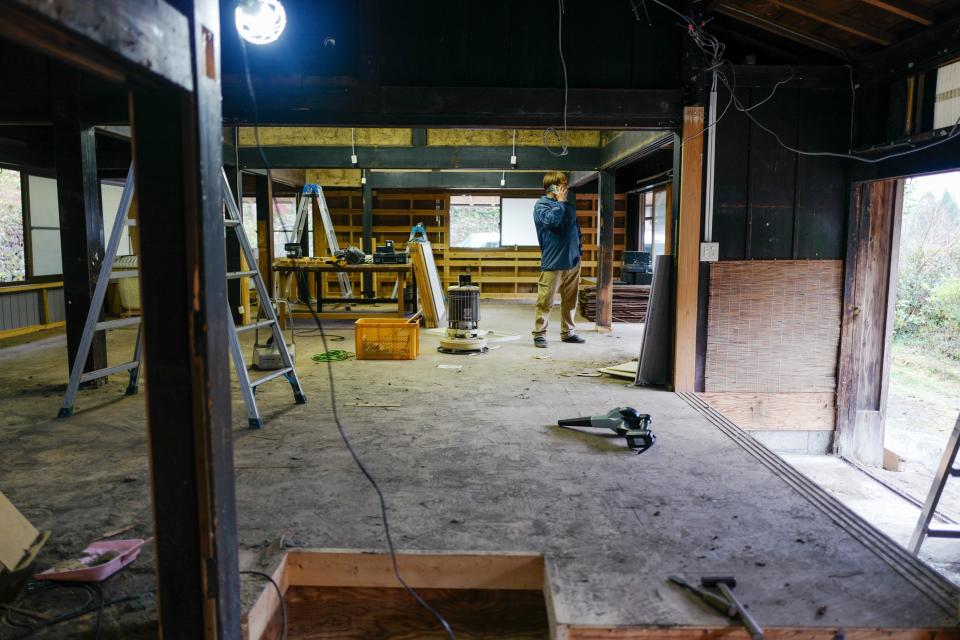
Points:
928	283
12	264
475	221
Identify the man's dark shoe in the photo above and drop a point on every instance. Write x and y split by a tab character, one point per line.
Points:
540	341
574	338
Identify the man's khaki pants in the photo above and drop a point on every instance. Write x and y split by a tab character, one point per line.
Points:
550	282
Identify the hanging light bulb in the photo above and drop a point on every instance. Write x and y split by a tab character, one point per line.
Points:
363	176
503	179
260	21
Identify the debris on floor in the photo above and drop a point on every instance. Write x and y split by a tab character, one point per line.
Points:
627	370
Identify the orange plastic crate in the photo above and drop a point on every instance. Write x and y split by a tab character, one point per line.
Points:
387	339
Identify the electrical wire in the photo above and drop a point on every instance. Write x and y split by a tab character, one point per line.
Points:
713	49
333	394
563	141
334	355
283	603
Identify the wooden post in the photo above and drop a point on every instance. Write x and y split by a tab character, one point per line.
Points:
177	146
264	195
368	237
688	251
605	201
81	225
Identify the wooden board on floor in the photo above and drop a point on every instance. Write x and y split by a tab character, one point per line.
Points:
429	288
769	411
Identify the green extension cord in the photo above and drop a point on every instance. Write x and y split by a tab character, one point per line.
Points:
334	355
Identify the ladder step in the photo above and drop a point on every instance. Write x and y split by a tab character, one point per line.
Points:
955	472
271	376
125	273
116	324
130	222
233	275
231	223
254	325
944	531
109	371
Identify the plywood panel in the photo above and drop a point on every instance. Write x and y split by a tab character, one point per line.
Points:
773	326
766	411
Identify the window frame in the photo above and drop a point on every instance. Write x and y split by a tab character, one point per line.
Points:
28	276
500	195
643	207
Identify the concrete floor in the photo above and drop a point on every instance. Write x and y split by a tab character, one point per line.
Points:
473	462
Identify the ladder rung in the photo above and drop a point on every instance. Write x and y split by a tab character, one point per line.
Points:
943	531
227	222
116	324
233	275
131	222
271	376
125	273
109	371
955	472
255	325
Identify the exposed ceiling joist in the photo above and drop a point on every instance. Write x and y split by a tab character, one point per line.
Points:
770	26
904	9
837	21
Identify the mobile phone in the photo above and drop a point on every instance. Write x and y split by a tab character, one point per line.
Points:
554	189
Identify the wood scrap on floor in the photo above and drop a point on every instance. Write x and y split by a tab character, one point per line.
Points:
627	370
629	302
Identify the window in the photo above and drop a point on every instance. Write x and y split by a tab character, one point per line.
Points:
249	214
946	109
44	227
284	217
490	222
653	221
110	194
12	263
517	227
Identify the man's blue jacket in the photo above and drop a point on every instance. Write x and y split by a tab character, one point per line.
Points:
558	234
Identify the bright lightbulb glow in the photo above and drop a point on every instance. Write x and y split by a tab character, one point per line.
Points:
260	21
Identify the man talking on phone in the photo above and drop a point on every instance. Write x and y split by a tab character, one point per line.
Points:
560	249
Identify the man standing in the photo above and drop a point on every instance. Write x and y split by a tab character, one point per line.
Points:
559	237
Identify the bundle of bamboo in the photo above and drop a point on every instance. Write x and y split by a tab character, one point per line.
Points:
629	302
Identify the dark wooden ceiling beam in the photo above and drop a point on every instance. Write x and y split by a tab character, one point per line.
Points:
904	9
837	21
733	11
918	54
282	104
428	157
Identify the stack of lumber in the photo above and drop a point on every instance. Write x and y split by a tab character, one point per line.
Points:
629	302
429	288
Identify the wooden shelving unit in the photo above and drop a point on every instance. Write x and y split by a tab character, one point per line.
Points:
508	272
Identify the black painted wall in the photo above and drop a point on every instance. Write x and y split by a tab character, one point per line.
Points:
771	203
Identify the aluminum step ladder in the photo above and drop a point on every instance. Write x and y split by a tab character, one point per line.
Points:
108	274
946	469
266	317
300	223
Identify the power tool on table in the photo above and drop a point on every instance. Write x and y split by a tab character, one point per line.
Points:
626	422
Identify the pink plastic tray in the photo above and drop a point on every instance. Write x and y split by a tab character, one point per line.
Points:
128	550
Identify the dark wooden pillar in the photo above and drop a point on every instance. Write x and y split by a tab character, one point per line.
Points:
81	230
234	293
178	158
264	193
607	188
368	238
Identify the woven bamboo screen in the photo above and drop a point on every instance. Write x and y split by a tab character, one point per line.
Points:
774	326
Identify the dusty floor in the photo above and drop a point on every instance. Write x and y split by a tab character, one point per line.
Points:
471	461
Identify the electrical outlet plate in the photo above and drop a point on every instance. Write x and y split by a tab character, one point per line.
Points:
709	251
